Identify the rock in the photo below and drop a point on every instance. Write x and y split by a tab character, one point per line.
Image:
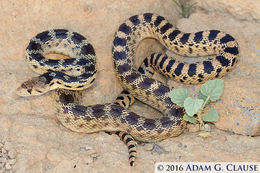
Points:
207	128
7	146
8	166
245	10
11	161
3	151
12	153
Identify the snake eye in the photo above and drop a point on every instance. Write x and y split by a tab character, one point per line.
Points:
23	86
29	91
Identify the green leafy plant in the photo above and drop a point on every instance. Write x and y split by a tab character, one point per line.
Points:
209	91
185	7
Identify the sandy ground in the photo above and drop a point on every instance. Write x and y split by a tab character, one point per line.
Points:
32	139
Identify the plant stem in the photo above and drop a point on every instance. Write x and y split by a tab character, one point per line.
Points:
205	102
200	114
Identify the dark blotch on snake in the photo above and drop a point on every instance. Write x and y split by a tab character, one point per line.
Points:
132	118
223	61
90	68
158	20
131	146
125	29
166	122
198	37
174	34
87	50
165	28
52	62
37	57
157	59
213	34
79	110
184	38
134	20
44	36
162	61
120	98
119	55
232	50
192	69
119	41
145	62
208	67
141	70
123	68
61	33
34	46
148	17
169	65
128	140
226	38
68	62
149	124
98	110
151	58
77	38
178	69
116	111
146	83
132	77
161	90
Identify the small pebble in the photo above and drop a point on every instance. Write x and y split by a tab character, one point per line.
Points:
88	148
12	153
207	128
158	149
11	161
3	151
8	166
1	145
8	146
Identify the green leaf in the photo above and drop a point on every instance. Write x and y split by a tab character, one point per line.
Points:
190	119
179	95
201	96
212	115
212	88
192	106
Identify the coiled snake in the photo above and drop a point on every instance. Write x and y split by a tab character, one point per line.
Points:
114	117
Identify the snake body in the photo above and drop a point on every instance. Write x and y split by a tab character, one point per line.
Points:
114	117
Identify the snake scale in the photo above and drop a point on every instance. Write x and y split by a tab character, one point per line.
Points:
79	73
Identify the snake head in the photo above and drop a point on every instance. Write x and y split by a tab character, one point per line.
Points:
34	86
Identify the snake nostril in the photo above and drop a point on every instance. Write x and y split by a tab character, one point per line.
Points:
29	91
